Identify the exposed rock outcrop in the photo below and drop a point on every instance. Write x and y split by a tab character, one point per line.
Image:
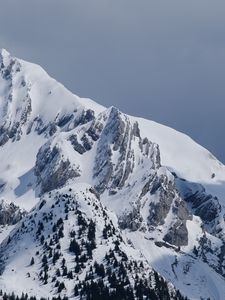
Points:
53	169
10	214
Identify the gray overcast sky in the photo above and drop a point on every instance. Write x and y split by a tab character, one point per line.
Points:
160	59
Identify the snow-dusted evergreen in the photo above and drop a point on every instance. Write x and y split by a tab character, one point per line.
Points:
96	204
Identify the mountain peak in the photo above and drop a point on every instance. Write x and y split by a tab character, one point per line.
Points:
95	188
4	53
5	58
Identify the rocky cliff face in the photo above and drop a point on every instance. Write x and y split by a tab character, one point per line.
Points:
120	151
53	169
10	214
203	204
169	201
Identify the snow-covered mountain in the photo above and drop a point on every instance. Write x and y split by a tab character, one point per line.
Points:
101	205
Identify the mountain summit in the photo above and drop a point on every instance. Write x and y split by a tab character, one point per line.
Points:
97	204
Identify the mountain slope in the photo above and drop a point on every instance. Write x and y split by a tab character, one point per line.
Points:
74	244
95	181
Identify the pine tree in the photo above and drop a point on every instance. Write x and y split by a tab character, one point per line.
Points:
74	247
76	291
32	261
61	287
44	260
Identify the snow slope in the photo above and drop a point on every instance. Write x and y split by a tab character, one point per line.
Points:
183	155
